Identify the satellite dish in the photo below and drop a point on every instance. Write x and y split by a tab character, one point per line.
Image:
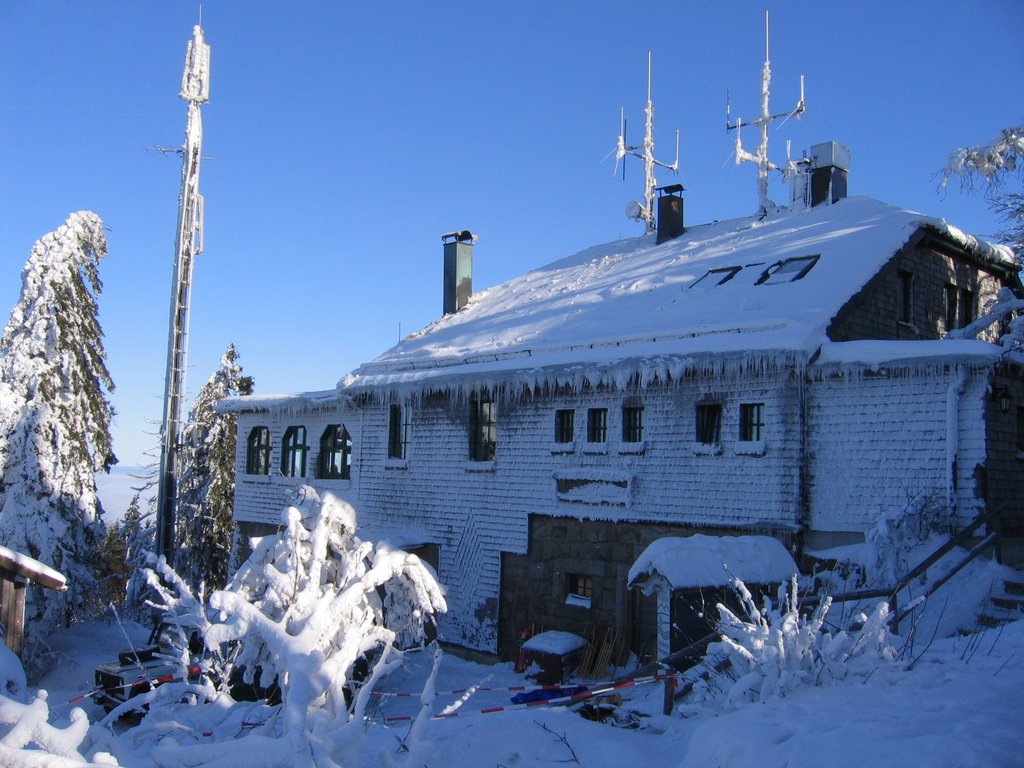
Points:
634	211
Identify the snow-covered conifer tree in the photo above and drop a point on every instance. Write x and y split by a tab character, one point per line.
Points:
54	415
206	490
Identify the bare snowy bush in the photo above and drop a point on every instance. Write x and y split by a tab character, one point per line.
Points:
303	610
898	532
26	736
774	650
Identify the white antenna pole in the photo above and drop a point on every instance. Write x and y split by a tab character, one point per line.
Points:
645	152
760	158
763	164
195	89
649	182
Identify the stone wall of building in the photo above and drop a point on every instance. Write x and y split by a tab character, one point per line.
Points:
1005	470
538	587
876	312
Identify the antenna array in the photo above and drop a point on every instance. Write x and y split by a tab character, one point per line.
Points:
760	157
635	210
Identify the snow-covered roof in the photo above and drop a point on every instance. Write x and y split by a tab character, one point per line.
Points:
710	299
32	569
299	401
713	290
701	561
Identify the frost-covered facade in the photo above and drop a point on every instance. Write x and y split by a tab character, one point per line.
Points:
786	376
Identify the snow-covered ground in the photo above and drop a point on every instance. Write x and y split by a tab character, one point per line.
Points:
961	703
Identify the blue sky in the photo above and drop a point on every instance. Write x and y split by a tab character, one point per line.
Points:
344	138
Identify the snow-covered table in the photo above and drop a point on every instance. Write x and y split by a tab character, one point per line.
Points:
551	656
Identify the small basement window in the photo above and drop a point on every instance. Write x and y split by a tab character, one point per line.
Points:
580	590
788	271
716	276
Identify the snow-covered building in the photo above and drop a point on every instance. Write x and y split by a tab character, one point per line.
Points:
787	376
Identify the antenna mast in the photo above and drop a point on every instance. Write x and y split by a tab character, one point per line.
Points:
644	212
195	89
760	158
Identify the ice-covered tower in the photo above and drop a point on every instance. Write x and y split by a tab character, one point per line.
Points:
635	210
760	157
195	89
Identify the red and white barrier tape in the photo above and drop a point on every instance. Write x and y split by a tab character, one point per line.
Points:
563	701
519	688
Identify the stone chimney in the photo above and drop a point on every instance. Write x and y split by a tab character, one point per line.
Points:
670	212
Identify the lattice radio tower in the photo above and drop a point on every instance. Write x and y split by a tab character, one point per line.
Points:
760	157
195	89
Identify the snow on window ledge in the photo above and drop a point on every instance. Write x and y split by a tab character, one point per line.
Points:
633	448
750	448
335	484
706	449
1020	455
578	600
277	479
596	449
396	464
479	466
563	448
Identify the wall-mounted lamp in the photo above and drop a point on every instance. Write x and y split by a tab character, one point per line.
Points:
1002	397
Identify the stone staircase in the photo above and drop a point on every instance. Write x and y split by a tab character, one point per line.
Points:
1006	603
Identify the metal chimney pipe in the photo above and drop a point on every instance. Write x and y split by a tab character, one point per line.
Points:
458	269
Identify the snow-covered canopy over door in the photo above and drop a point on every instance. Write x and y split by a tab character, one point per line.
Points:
711	561
31	569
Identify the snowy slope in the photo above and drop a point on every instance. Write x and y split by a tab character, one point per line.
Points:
958	705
